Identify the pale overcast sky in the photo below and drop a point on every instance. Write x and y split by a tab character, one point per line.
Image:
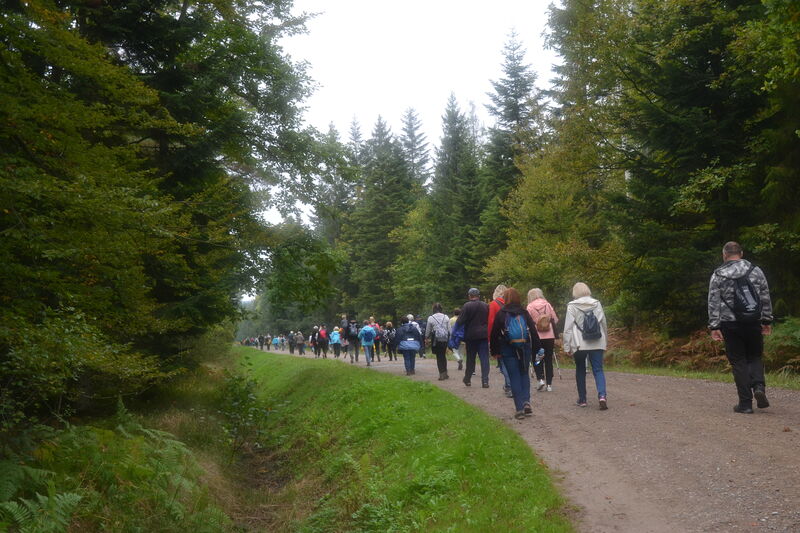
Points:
376	57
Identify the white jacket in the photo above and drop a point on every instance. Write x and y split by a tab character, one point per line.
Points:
573	340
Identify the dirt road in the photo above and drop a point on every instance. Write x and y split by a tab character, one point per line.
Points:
669	455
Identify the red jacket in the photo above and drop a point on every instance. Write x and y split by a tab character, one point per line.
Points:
494	306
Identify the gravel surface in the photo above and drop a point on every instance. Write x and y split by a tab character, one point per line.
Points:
669	455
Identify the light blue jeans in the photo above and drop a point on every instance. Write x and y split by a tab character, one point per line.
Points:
368	353
596	360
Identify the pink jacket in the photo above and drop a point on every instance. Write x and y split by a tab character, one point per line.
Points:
541	306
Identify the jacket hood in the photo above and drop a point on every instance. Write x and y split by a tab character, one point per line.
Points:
514	309
584	303
734	269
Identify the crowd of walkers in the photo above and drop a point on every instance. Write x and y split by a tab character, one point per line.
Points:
522	338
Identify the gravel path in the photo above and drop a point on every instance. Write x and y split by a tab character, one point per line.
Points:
669	455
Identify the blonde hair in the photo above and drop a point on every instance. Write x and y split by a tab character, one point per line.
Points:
580	290
534	294
498	291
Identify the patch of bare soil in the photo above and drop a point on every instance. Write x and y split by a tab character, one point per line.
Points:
668	455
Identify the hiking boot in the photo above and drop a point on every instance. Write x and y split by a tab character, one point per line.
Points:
541	385
485	385
441	376
527	409
445	375
408	372
413	372
549	388
519	415
466	382
603	403
460	365
761	398
581	403
745	409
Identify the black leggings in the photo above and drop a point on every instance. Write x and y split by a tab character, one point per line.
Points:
545	368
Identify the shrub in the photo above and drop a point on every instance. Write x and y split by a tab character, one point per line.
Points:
782	348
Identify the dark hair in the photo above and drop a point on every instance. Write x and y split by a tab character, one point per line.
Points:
404	320
732	248
437	308
511	296
366	322
457	311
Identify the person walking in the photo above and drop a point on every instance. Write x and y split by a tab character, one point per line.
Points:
545	319
336	342
367	338
494	306
455	344
513	339
352	340
585	337
438	331
474	318
376	346
389	334
300	342
322	341
291	342
740	314
408	339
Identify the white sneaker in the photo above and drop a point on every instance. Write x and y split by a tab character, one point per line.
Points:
541	385
549	388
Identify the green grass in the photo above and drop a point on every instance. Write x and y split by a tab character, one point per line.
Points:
375	452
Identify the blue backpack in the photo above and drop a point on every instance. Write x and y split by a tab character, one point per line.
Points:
456	336
516	329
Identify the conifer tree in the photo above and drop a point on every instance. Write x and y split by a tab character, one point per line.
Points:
415	148
382	206
455	206
518	111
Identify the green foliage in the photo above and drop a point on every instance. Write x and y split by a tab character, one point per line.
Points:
245	416
782	348
124	479
383	468
63	361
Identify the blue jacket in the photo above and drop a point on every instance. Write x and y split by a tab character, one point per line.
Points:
361	336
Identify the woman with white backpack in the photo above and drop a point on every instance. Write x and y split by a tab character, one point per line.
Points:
545	319
438	329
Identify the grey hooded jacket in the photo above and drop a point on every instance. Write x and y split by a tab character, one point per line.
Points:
721	287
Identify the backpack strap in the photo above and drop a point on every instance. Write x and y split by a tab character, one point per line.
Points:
734	280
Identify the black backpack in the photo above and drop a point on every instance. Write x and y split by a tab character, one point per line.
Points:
746	301
591	326
352	331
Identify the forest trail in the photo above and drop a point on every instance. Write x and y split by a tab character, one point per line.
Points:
669	455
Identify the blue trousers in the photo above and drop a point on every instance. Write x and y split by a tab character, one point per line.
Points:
596	360
409	358
517	362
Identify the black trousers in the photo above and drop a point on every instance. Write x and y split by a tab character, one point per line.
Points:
439	349
544	370
744	346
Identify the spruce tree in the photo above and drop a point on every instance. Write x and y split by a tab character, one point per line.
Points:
415	148
518	111
382	206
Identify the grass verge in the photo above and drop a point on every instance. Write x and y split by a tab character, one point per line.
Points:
365	451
